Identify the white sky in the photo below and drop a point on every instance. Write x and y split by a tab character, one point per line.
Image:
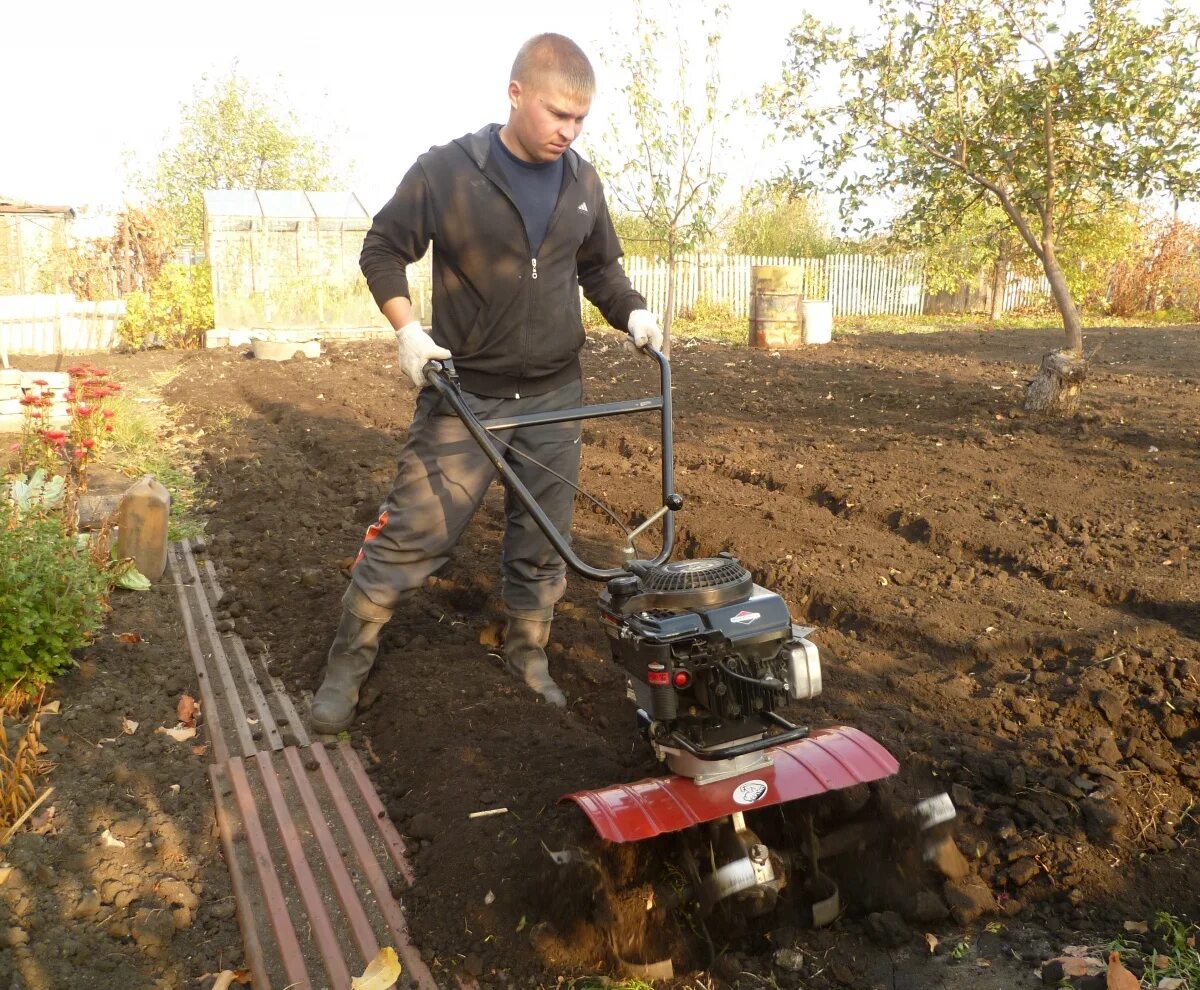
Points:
88	85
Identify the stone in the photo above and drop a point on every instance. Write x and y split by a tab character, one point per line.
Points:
1100	818
1107	751
11	938
789	960
152	928
473	965
960	795
422	826
223	910
925	908
177	893
1022	871
1110	704
888	928
969	900
88	906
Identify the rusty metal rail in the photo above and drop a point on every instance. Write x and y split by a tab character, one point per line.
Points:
317	866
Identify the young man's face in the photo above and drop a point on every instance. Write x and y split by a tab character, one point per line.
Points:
544	120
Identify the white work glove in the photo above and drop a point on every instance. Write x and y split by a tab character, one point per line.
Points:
644	329
417	349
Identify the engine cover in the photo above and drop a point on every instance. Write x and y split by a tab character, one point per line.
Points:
709	654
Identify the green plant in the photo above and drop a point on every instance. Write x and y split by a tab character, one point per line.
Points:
175	311
52	598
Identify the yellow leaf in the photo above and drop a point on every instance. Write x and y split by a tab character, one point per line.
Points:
381	974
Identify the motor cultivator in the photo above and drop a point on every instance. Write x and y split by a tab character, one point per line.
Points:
711	658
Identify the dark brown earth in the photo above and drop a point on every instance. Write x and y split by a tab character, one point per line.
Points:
1011	605
156	911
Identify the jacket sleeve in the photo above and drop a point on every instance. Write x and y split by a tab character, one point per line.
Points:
399	235
604	281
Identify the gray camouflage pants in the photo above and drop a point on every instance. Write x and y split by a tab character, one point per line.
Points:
441	479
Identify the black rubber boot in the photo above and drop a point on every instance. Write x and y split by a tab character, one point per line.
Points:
525	639
350	660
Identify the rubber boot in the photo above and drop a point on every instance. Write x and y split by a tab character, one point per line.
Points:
525	639
350	660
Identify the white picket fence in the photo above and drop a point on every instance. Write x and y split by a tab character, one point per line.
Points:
1026	292
56	324
856	284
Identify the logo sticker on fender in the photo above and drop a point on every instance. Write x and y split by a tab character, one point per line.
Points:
745	618
750	792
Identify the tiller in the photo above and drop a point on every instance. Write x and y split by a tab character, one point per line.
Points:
711	658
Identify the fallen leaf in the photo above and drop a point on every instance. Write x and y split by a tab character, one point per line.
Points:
51	707
128	726
110	841
521	924
199	750
381	974
42	822
174	788
931	940
227	977
1171	983
129	637
186	710
1139	927
180	733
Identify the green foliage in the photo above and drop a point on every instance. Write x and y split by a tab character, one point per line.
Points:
175	311
233	136
37	494
666	170
777	219
955	102
52	598
712	321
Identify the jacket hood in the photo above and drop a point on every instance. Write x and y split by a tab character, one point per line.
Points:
479	145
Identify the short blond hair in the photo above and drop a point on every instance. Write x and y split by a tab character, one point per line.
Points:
553	58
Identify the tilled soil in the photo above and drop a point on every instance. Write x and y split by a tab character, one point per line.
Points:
119	881
1009	604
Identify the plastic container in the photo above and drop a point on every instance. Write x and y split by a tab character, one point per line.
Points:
142	521
818	321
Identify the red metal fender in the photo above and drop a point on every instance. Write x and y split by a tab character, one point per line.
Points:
828	760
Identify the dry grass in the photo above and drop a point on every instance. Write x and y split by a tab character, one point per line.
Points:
21	769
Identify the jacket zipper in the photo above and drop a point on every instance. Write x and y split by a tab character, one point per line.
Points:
533	260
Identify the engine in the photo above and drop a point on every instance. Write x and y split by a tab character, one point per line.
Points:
710	655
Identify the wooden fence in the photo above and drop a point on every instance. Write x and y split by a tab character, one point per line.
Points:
56	324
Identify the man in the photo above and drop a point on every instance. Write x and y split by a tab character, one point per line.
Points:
518	223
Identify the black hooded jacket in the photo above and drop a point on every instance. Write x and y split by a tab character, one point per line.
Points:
510	319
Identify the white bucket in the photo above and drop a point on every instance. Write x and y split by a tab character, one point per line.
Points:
817	317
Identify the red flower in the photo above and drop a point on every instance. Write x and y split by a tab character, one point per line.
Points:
108	429
55	436
80	454
35	415
107	413
76	369
40	381
83	409
29	400
88	443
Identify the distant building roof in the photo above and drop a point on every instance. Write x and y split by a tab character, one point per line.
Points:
284	204
8	205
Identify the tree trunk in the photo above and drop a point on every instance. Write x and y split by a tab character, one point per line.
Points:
999	283
1062	299
669	313
1056	388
